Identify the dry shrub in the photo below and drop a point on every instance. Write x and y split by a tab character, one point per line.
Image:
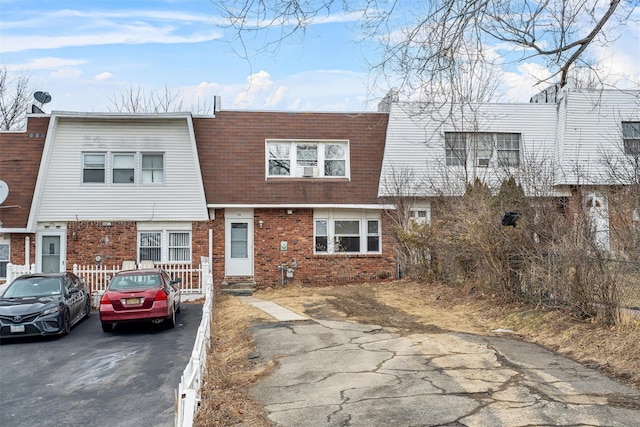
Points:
544	259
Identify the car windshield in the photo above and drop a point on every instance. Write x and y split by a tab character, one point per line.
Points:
34	287
138	281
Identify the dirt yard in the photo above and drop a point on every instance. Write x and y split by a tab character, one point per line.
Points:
408	308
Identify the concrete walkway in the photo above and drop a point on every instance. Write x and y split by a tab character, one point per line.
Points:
341	373
278	312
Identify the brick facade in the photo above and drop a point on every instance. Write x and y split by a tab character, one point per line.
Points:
17	251
297	230
117	241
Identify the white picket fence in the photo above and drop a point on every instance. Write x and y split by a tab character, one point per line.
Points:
98	276
15	270
188	393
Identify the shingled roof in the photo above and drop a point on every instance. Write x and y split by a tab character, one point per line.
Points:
231	148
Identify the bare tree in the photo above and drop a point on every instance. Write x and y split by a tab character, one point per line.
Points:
430	45
137	100
15	93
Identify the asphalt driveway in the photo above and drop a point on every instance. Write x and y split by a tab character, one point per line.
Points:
339	373
89	378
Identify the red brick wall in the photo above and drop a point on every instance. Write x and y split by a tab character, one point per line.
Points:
116	241
297	230
17	248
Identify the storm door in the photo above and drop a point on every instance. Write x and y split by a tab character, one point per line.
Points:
50	251
239	245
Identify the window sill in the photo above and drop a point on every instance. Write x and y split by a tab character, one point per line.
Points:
307	179
348	255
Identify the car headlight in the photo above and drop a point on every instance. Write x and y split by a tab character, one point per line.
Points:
52	310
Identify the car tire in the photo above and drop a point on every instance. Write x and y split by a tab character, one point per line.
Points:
107	327
87	308
170	322
66	322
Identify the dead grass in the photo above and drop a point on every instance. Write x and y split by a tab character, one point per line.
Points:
410	308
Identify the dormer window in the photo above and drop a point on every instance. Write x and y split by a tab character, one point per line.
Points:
308	159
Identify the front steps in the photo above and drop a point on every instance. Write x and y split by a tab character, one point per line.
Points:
238	286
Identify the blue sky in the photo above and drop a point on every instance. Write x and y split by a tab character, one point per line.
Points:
85	53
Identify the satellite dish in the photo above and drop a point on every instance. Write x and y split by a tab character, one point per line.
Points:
42	97
4	191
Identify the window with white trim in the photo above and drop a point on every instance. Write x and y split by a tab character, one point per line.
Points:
93	168
152	168
123	171
339	232
477	149
150	246
328	159
631	138
122	168
4	259
420	215
179	246
164	246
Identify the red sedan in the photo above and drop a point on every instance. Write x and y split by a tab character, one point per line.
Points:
140	295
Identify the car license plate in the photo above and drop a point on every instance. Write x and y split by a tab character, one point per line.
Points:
16	329
132	301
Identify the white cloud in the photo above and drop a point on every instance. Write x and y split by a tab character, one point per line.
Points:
258	84
124	35
103	76
67	73
48	62
275	99
521	85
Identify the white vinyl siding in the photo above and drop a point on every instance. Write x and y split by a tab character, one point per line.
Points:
167	183
592	127
423	145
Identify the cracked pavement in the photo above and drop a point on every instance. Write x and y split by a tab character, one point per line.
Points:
332	373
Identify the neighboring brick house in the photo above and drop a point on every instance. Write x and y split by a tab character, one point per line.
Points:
172	188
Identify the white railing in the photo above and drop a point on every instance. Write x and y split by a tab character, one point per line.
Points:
188	393
14	270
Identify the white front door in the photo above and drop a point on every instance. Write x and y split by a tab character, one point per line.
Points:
50	251
239	242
